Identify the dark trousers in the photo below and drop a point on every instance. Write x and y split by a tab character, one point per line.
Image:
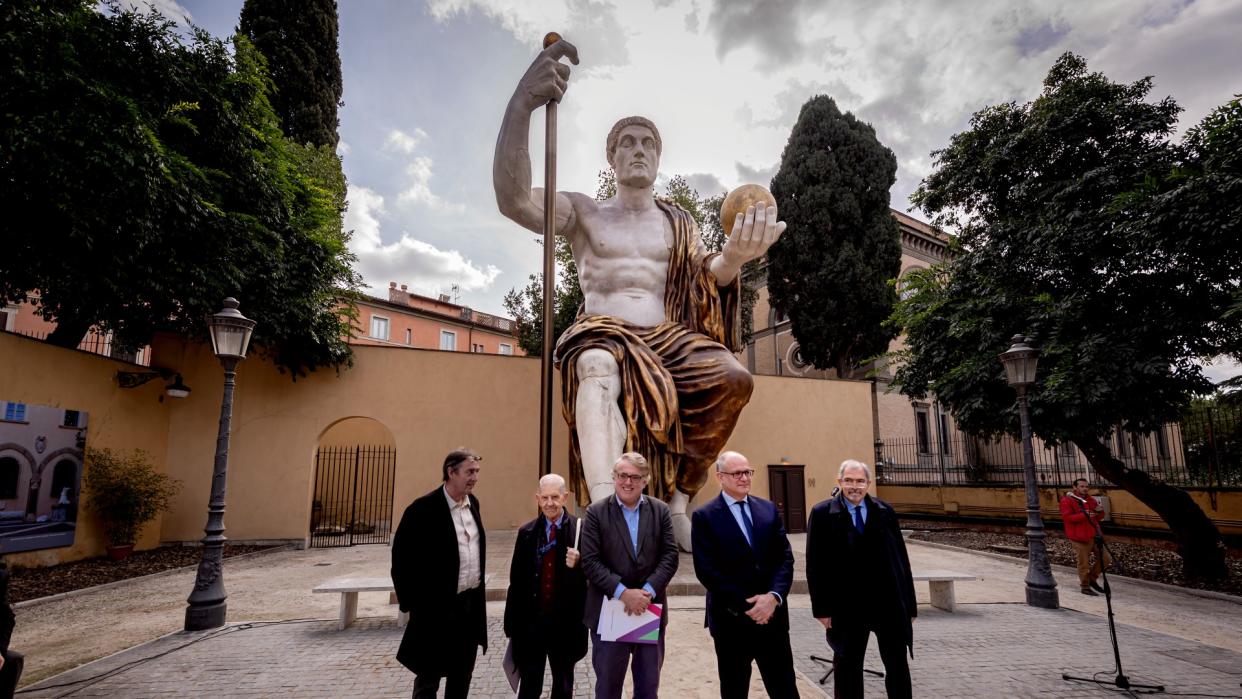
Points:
532	652
740	644
11	673
464	649
610	660
849	645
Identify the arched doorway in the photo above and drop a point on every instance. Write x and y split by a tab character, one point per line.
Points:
355	468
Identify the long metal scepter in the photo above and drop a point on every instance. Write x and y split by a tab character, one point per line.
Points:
549	281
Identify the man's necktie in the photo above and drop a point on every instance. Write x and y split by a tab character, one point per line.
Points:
858	520
548	572
750	527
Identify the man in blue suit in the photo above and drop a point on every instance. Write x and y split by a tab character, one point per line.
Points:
743	558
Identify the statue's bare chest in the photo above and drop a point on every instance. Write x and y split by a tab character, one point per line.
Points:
620	235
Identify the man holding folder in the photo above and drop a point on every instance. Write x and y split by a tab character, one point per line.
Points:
629	554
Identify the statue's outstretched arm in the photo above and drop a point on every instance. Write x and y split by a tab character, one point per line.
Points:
545	81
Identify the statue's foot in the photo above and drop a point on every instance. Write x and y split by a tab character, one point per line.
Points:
601	491
677	507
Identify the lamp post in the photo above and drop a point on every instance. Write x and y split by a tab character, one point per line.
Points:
230	337
1020	361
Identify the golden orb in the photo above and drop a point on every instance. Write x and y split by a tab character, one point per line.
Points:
739	200
550	38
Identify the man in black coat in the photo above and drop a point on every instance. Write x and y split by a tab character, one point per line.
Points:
11	662
629	553
743	558
859	577
547	591
437	572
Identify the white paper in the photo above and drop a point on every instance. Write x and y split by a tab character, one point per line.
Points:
615	624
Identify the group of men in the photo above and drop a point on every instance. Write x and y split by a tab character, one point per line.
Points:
566	573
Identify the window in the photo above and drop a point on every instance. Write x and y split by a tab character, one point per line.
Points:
379	327
1122	452
65	475
409	336
922	428
944	434
506	349
8	317
1162	444
73	418
15	412
9	471
448	340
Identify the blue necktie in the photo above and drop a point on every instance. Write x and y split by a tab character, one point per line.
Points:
858	520
750	527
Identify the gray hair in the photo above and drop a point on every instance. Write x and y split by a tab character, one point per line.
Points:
634	459
552	479
724	458
852	463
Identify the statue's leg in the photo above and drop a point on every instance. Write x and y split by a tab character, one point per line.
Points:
599	423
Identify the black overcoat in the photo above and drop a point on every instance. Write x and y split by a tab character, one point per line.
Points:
523	601
424	576
859	579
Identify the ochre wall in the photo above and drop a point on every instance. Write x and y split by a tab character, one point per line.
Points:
425	403
36	373
1010	501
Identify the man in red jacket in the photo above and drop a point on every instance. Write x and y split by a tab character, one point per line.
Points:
1081	532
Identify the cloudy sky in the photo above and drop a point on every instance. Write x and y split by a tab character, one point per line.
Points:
426	83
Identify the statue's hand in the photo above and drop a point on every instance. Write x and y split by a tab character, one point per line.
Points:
752	235
547	78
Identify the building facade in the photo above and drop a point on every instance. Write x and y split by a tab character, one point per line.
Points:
406	319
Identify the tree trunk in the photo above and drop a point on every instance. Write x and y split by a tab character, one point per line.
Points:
1198	539
68	333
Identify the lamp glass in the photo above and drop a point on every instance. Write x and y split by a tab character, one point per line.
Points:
230	331
1020	362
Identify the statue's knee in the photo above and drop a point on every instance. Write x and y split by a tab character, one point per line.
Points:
594	364
739	380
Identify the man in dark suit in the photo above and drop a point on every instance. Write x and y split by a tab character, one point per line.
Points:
547	592
437	573
629	553
859	577
743	558
11	662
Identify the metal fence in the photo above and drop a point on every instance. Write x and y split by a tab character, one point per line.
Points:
353	496
101	343
1204	450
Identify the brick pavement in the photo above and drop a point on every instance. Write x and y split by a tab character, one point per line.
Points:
984	650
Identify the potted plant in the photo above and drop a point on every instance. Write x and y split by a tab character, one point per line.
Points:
126	492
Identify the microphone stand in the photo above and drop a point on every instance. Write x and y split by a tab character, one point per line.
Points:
1120	681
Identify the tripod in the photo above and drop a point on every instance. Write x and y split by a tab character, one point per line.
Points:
1120	681
828	674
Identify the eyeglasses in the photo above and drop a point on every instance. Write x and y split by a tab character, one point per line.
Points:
853	481
744	473
631	477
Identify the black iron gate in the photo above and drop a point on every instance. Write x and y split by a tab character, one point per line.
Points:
353	496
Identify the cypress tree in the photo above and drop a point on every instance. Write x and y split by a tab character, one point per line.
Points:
831	270
299	40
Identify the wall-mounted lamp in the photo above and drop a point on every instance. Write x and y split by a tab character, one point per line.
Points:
134	379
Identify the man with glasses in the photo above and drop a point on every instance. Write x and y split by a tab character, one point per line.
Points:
858	573
437	572
628	553
743	558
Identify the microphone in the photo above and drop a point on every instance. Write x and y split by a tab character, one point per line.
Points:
1072	495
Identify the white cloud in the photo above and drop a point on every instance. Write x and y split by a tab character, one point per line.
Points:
418	191
342	148
424	267
403	142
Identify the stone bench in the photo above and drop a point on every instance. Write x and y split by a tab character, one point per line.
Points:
941	583
348	589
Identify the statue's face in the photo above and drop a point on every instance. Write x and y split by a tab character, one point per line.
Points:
636	157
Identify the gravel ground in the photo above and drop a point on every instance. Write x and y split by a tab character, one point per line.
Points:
1137	561
32	583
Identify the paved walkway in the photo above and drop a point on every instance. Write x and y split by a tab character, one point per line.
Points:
993	646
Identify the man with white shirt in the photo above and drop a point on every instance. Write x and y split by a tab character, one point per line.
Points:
743	557
437	572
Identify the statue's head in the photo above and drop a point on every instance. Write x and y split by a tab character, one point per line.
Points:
637	140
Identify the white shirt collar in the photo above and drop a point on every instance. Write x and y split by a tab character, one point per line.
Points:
462	504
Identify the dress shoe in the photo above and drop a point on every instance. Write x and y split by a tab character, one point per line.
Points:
1089	592
1096	586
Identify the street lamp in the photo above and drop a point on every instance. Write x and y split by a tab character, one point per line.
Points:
1041	588
230	337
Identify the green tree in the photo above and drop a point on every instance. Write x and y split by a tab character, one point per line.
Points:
147	178
1076	224
299	40
831	271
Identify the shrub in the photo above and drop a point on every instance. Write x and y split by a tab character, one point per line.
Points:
126	492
